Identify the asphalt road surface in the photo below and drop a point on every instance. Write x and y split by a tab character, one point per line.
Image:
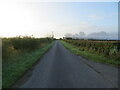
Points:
59	68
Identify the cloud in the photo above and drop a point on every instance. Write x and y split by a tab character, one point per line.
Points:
94	35
68	35
32	18
94	16
103	35
80	35
87	29
98	35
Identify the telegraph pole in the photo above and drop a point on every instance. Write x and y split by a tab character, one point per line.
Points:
52	34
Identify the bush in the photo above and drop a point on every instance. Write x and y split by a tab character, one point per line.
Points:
106	48
17	45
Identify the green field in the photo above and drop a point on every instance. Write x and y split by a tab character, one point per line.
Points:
100	51
19	54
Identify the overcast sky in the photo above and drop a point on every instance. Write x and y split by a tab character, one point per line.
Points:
41	18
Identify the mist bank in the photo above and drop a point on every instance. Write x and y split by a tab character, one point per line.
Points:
94	35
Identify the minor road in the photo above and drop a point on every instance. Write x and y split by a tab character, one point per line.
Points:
59	68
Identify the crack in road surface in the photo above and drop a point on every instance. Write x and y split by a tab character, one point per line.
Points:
59	68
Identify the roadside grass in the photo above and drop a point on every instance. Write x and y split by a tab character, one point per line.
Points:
90	56
12	71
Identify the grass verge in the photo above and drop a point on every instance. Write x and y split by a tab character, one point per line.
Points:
91	56
14	70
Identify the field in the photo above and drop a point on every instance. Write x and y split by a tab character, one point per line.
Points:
19	54
101	51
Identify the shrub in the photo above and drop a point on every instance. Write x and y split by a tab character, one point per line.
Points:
107	48
17	45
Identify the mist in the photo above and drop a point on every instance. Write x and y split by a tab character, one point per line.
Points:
94	35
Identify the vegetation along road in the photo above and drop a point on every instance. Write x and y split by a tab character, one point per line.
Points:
59	68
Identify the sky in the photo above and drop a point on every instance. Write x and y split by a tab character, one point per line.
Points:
42	18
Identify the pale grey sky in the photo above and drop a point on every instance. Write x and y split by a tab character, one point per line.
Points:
40	19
